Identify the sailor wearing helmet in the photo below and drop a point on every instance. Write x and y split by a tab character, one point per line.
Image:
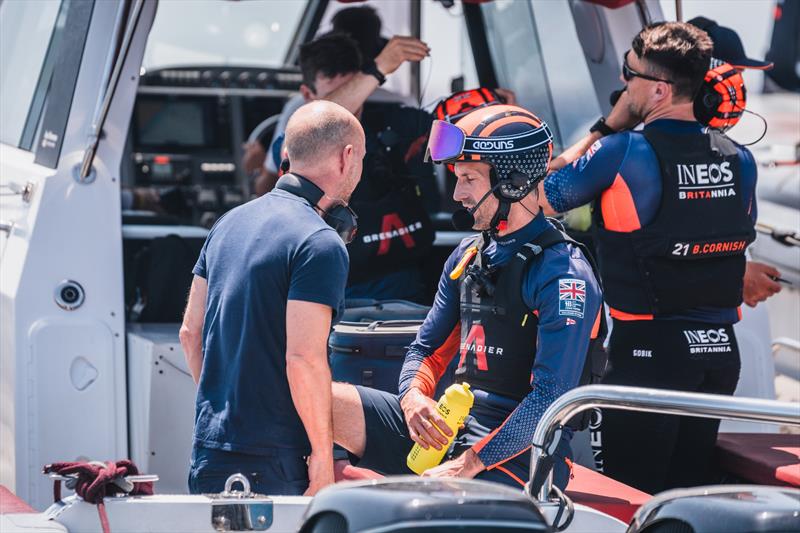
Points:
518	305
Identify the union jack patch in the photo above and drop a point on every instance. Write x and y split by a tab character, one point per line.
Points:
571	297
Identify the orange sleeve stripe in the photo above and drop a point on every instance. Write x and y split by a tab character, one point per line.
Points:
617	207
739	312
478	446
507	459
622	315
432	367
511	475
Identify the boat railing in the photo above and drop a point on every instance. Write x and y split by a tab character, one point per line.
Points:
652	401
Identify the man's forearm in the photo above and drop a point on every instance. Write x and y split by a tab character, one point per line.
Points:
574	152
355	92
192	344
310	385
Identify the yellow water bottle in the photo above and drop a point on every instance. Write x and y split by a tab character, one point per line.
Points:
453	406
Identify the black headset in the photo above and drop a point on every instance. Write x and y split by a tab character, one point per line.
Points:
339	216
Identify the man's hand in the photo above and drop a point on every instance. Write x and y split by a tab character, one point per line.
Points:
422	419
146	199
466	465
398	50
253	157
759	282
320	472
621	116
508	96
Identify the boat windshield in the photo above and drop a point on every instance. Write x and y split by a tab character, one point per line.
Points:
255	33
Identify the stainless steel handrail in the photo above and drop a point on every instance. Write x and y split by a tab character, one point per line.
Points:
653	401
785	342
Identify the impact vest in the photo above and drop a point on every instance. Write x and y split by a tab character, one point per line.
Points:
499	331
692	254
394	228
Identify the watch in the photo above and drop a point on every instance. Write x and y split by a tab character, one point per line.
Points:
372	69
602	127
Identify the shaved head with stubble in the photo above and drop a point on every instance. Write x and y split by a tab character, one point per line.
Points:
325	144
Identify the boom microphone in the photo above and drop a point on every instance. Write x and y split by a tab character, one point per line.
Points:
614	97
464	219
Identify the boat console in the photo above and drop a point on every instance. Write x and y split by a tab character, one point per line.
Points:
186	135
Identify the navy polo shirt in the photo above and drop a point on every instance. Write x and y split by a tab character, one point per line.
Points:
258	256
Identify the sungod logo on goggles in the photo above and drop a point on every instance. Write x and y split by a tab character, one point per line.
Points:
493	145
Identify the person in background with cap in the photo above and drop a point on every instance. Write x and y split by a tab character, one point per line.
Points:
267	287
759	278
518	304
675	209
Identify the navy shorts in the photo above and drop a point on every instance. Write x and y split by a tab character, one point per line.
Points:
284	473
388	442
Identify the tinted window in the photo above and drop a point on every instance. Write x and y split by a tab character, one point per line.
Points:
26	32
214	32
517	56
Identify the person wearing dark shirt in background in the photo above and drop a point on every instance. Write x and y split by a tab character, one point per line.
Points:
363	25
675	209
395	231
268	284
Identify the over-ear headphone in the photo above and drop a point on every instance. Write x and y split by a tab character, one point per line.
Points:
339	216
721	99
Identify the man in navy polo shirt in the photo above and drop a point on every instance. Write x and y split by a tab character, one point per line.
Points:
268	285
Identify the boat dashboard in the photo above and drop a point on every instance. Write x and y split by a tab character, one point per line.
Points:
186	138
185	149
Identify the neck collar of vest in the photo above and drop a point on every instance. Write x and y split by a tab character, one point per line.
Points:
675	126
525	234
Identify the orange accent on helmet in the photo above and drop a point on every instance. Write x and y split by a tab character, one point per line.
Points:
722	97
518	167
459	104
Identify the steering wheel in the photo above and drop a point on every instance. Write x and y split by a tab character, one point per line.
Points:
264	128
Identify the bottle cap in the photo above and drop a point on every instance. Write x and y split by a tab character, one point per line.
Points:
460	392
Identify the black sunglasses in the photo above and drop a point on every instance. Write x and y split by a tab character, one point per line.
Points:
628	73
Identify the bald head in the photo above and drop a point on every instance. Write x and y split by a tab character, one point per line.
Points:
319	131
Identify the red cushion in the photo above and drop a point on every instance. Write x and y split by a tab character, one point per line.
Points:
604	494
10	504
612	4
765	458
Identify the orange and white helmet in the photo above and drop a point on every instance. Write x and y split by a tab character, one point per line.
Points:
516	144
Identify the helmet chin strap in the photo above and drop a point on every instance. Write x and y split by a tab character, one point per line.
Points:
500	219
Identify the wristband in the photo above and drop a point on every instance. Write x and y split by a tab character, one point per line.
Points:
601	127
372	69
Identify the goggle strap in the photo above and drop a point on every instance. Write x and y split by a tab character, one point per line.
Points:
509	143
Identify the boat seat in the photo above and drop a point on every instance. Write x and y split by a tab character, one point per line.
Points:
586	487
11	504
604	494
763	458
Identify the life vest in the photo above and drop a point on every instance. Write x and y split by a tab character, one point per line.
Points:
692	253
394	228
499	331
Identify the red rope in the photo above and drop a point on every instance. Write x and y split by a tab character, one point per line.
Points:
95	482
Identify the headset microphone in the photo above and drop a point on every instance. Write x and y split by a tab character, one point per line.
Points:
464	219
613	98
